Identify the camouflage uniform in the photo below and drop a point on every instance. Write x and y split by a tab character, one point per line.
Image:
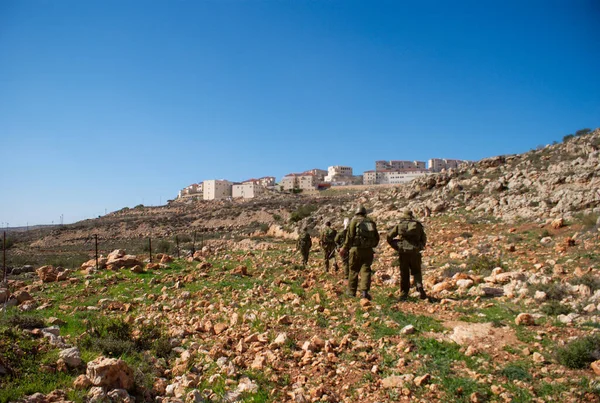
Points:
303	245
327	239
340	238
361	258
409	252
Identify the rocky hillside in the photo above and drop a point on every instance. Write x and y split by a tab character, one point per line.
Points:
512	262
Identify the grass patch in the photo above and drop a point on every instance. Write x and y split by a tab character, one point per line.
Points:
516	372
555	308
588	279
554	291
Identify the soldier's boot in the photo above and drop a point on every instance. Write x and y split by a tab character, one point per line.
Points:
403	297
351	294
335	267
365	294
422	293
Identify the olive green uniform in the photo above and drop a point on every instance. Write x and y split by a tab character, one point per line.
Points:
328	244
409	253
340	238
303	245
360	259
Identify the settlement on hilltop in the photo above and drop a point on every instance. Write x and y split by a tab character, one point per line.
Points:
386	172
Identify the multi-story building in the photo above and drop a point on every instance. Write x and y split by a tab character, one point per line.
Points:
392	176
247	190
303	181
438	164
195	189
398	164
215	189
319	174
266	181
338	173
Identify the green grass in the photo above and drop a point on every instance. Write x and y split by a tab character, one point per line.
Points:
579	353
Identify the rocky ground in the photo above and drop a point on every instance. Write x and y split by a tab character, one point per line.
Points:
512	261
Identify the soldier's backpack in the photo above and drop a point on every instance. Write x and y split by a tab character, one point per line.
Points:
410	231
329	236
366	234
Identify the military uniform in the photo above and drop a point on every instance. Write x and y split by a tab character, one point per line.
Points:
360	256
411	241
327	239
303	245
340	238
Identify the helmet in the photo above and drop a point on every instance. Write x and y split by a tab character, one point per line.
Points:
361	210
327	222
407	214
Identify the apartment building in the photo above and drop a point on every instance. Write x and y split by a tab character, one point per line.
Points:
438	164
247	190
391	176
195	189
398	165
303	181
266	181
215	189
319	174
338	173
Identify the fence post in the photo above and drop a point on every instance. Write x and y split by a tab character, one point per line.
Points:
4	258
96	249
194	244
150	248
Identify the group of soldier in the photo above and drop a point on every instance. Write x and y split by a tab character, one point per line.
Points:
355	243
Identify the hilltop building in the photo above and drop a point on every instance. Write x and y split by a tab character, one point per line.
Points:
307	180
438	164
392	176
396	165
215	189
338	174
195	189
247	190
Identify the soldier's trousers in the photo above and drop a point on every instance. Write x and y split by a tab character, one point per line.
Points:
410	263
345	265
360	261
305	253
328	254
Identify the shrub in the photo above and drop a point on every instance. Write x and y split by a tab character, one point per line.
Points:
580	353
555	308
276	217
302	212
588	279
516	372
568	137
483	265
25	322
466	235
554	291
589	220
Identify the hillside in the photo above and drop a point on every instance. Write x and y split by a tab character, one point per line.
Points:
512	260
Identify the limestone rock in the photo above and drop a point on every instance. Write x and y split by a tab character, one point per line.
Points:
393	381
595	366
525	319
110	372
71	356
47	274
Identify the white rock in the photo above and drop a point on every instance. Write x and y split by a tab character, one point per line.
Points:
71	356
408	329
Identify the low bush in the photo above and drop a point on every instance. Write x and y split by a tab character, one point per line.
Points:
302	212
587	279
554	291
555	308
483	265
516	372
580	353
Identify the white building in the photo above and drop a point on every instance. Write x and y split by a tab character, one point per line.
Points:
395	165
215	189
247	190
195	189
338	173
392	177
437	164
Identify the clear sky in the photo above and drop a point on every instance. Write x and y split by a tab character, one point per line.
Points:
112	103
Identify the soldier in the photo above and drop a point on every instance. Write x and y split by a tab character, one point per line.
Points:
327	240
339	241
411	241
362	237
304	244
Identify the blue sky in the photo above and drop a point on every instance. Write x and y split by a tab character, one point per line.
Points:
106	104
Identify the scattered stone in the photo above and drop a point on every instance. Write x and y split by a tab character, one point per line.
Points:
110	372
422	380
408	329
71	356
525	319
595	366
393	381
